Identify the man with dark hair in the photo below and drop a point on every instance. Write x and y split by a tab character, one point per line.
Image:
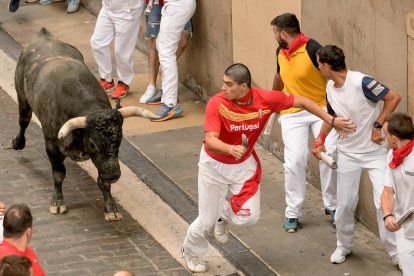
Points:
398	194
234	120
298	74
17	235
356	96
13	265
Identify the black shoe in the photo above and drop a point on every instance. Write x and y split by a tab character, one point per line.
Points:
14	5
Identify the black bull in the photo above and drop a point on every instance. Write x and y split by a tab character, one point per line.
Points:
77	119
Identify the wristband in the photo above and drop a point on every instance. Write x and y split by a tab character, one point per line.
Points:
333	121
320	140
385	217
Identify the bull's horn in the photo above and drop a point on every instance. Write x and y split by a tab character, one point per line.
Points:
129	111
78	122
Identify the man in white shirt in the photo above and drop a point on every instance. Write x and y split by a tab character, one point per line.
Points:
398	194
118	20
355	96
175	15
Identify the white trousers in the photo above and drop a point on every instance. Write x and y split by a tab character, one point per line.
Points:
214	181
406	254
350	166
123	26
295	134
175	14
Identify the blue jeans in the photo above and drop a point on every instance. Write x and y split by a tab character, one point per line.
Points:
153	23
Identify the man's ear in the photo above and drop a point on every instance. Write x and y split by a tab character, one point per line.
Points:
28	233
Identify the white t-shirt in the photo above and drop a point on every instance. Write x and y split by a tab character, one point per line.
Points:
357	99
401	179
1	228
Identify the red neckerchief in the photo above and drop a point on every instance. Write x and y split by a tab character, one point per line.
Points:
298	42
245	100
399	154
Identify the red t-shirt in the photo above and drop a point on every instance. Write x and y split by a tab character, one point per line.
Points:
7	249
230	120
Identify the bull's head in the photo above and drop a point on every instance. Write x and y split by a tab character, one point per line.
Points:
103	129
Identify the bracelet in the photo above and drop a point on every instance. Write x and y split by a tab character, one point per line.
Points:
385	217
319	141
333	121
231	149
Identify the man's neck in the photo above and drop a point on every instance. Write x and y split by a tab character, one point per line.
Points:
402	143
20	243
290	40
339	78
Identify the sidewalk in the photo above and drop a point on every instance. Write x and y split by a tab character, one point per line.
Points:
173	147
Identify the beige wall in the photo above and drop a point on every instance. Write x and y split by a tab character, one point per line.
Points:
253	40
410	61
210	51
371	33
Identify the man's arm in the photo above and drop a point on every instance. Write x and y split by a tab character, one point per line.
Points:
339	123
387	204
214	144
391	100
277	83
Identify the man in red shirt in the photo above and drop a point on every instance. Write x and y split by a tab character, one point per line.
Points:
17	235
228	162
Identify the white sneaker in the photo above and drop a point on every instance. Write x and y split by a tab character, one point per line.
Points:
221	231
339	256
396	260
193	263
151	91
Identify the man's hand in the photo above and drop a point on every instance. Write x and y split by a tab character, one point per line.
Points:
317	151
344	125
2	209
376	135
237	151
391	224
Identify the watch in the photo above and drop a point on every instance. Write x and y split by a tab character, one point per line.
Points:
377	125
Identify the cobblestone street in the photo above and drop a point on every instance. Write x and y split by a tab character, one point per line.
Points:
80	242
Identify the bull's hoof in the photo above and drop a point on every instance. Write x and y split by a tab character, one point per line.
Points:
57	208
113	216
19	143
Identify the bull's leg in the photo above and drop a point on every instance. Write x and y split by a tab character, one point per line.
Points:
111	208
25	114
56	158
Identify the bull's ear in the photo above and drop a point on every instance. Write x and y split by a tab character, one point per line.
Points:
118	104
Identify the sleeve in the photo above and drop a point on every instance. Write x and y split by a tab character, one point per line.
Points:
389	178
280	101
311	47
212	121
373	90
329	108
277	60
